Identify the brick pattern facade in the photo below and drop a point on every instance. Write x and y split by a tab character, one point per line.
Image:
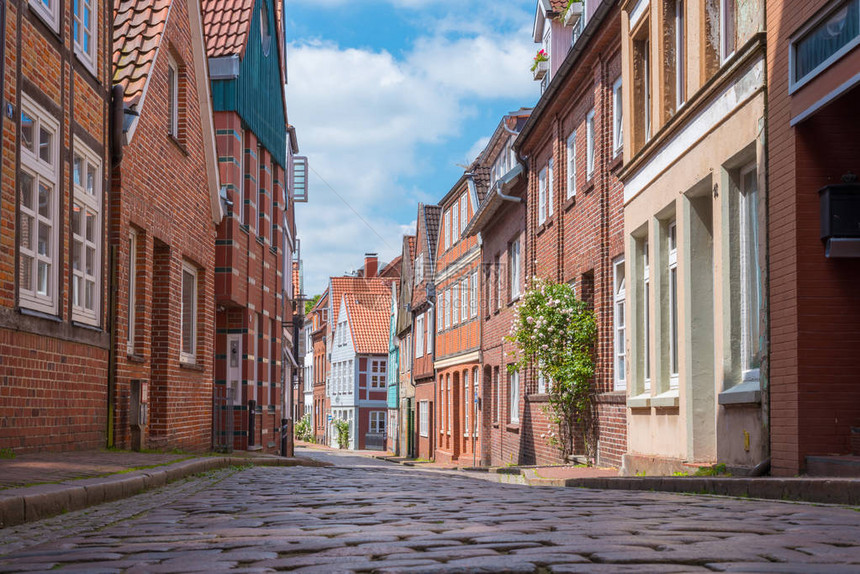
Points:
814	313
54	370
160	193
583	234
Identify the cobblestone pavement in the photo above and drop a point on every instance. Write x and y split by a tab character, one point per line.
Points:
371	516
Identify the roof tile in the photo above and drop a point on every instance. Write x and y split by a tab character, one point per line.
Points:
137	32
226	26
369	319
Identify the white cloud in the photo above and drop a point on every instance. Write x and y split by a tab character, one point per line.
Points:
363	116
476	149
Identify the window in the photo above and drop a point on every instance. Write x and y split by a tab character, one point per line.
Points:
620	325
727	29
829	37
455	304
617	125
455	225
447	308
571	165
672	239
641	56
589	145
38	206
750	273
265	29
378	373
429	325
646	317
189	315
466	406
419	336
424	418
49	11
464	213
541	382
514	262
83	32
476	375
473	293
514	397
464	300
419	269
448	233
261	196
240	206
132	290
542	196
86	235
172	98
500	283
680	25
377	422
497	412
450	404
550	197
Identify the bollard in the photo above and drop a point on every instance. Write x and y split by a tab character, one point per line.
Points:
287	444
252	423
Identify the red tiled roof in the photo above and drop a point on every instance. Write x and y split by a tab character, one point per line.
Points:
355	285
225	26
392	270
138	26
410	242
369	321
558	5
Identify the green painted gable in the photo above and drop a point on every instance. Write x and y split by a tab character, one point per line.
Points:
257	94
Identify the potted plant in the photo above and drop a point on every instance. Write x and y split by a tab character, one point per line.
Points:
572	13
541	64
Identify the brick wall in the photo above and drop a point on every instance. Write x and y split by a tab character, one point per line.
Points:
53	371
161	191
578	242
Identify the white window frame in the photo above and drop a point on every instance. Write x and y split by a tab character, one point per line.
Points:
464	300
88	203
464	213
376	422
473	294
500	283
191	357
41	171
589	145
728	11
646	315
455	303
447	308
672	278
617	119
541	382
542	196
515	275
619	324
133	246
571	165
50	13
448	233
750	274
378	373
550	195
87	57
514	397
466	406
795	83
419	336
455	222
173	100
424	418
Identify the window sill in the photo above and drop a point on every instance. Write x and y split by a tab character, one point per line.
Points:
177	143
513	427
617	161
191	366
87	62
133	358
746	393
40	314
568	203
544	226
589	185
89	326
667	400
642	401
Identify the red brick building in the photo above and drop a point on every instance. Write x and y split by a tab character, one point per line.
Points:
54	309
422	309
164	206
320	345
256	240
500	222
458	328
572	143
404	443
813	102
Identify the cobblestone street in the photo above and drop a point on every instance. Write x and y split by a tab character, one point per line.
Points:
366	515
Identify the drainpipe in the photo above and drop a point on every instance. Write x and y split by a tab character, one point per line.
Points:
2	70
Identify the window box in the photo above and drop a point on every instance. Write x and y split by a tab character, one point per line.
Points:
540	69
573	13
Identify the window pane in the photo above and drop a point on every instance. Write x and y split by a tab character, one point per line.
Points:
76	220
42	278
91	257
76	290
91	180
25	272
91	226
44	240
44	200
26	190
673	292
188	300
27	132
26	232
77	249
45	140
78	167
90	290
827	39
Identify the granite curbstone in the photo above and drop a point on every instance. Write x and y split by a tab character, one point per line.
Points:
11	510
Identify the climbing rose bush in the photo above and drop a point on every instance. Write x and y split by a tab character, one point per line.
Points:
557	331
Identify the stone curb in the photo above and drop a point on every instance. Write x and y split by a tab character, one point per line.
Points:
31	503
843	491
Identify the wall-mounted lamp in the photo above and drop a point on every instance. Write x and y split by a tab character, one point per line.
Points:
840	217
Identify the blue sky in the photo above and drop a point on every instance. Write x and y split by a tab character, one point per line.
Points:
388	97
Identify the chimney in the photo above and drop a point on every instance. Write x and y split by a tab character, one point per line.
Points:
371	265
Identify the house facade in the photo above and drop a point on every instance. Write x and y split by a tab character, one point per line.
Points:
255	242
694	190
393	377
307	381
424	298
320	346
500	225
165	204
405	445
573	142
813	101
54	309
458	329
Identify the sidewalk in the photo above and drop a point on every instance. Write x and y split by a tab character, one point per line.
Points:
36	486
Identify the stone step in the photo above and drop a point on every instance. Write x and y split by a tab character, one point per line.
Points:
841	466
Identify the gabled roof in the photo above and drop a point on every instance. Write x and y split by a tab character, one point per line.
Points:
339	286
392	270
432	220
226	24
410	246
369	318
138	27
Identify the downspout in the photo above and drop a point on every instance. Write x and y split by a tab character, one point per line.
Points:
115	134
2	70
